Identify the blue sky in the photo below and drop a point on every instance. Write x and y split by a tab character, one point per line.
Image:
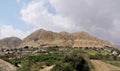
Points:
10	14
9	11
98	17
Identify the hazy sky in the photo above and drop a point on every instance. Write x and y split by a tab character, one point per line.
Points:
98	17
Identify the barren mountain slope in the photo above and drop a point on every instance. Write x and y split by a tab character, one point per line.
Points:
84	39
42	38
10	42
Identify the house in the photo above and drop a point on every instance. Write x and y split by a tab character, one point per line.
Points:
114	53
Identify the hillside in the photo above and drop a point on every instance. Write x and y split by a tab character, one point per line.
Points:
84	39
5	66
10	42
44	38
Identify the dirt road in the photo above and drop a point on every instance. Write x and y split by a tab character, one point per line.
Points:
101	66
5	66
47	68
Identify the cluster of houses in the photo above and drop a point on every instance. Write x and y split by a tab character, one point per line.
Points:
19	52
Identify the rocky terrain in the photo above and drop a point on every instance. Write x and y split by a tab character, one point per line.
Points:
10	42
44	38
5	66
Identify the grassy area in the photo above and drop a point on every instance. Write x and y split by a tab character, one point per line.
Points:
92	52
116	63
35	62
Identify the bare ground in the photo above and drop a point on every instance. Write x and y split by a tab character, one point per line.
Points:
5	66
48	68
101	66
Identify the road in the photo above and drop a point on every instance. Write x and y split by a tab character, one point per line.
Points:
101	66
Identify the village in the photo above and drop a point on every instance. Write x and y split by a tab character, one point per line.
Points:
106	52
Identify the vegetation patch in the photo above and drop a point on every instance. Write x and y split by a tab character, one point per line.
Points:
34	62
74	61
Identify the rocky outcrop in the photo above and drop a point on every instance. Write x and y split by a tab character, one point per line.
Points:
5	66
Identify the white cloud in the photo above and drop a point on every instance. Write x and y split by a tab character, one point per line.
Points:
10	31
36	13
99	17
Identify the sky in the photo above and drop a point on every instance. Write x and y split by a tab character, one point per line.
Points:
100	18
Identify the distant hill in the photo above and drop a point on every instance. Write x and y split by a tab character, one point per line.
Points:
10	42
44	38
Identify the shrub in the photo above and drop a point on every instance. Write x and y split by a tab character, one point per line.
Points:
73	61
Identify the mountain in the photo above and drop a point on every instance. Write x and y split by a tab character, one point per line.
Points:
84	39
10	42
44	38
